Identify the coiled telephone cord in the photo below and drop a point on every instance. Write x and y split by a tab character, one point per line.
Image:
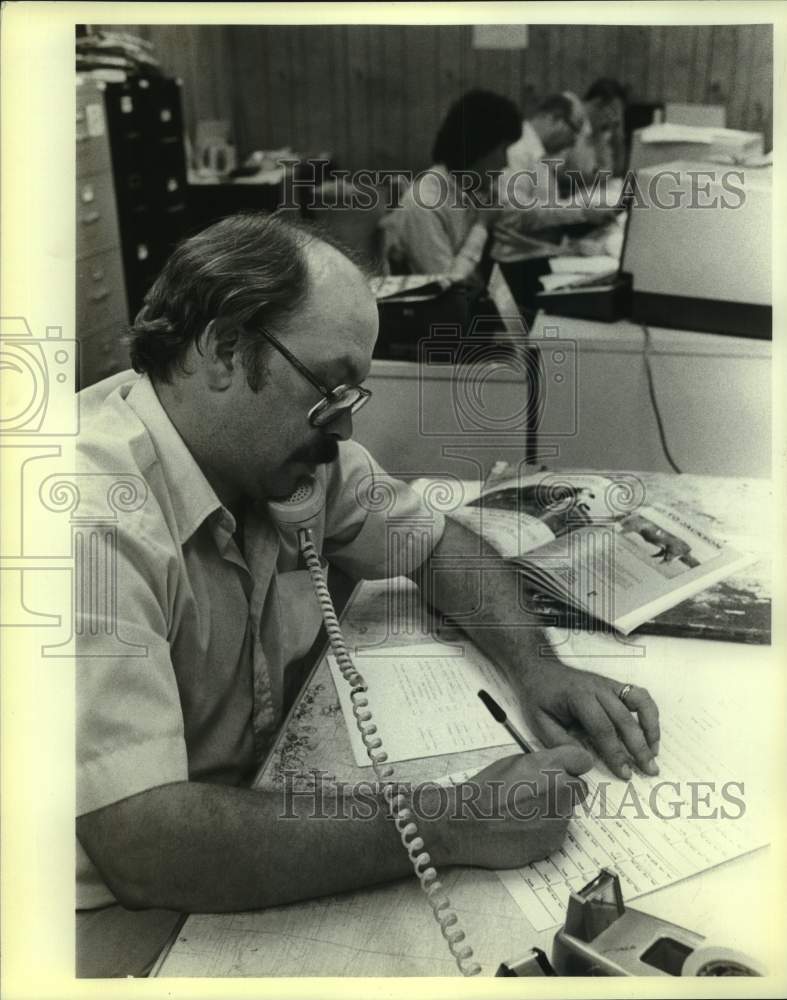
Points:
404	819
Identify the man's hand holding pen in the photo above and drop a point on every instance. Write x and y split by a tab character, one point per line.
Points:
516	810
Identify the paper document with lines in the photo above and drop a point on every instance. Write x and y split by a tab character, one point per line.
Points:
652	830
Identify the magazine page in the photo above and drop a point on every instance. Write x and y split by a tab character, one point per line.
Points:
510	534
631	568
502	528
521	514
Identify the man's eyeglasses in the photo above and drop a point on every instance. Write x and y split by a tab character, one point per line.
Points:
335	401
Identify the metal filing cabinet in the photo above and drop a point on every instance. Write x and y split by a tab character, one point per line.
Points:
145	124
102	313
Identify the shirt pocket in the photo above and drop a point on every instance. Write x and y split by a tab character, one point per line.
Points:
299	610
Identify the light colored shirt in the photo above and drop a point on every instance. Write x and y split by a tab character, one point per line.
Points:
208	630
527	151
436	228
529	226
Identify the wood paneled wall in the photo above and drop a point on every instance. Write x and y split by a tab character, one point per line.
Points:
200	56
374	95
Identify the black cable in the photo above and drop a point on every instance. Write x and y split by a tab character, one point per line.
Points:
654	402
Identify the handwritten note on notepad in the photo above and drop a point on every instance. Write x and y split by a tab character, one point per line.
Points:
652	830
424	702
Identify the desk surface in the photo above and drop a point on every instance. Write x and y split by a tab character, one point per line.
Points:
388	930
626	336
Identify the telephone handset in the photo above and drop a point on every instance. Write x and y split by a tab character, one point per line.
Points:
299	510
302	506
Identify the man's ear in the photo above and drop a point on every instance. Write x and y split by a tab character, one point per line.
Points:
218	345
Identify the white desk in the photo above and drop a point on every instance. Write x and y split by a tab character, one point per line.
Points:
714	394
389	931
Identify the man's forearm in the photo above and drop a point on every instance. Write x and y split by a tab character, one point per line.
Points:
532	217
210	848
468	581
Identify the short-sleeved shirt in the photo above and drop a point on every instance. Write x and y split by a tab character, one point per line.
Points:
181	668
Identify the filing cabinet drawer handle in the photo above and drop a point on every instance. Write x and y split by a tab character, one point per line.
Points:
99	296
89	217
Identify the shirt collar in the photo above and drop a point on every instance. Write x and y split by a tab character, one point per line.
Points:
193	498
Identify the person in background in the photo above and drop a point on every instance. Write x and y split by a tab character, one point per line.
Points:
529	188
535	215
552	128
600	144
444	219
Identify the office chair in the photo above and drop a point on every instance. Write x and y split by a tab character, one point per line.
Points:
354	227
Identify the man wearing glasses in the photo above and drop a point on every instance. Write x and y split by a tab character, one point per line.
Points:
251	348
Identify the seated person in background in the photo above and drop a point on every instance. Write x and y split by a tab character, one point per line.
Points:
534	213
551	129
343	211
601	142
252	346
443	221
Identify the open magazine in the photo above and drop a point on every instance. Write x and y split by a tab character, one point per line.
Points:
587	541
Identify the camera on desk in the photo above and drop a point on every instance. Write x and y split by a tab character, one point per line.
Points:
39	380
501	385
603	937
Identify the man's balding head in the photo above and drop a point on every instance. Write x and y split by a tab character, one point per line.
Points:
239	402
338	293
244	272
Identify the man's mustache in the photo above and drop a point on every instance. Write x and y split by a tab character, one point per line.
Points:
321	454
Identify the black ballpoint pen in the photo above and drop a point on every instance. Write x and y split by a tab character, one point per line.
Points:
500	716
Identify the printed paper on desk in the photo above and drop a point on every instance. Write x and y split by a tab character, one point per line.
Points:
597	264
674	132
651	831
426	705
550	282
408	287
644	828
